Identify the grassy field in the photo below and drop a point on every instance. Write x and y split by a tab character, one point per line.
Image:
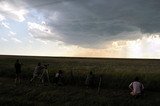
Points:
116	76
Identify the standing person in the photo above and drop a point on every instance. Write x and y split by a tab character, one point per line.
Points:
137	87
18	66
37	71
90	80
45	74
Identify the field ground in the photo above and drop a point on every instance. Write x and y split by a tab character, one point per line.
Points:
116	74
26	94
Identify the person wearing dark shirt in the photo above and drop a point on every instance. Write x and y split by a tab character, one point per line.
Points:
59	78
18	66
90	80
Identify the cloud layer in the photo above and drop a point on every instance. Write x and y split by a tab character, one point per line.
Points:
91	23
13	10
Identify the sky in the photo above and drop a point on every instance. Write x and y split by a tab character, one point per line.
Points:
80	28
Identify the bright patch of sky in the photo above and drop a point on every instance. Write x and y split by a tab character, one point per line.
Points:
78	28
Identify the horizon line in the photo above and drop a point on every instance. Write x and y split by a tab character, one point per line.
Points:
77	57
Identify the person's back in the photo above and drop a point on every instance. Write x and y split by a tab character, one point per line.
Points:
90	79
37	71
59	78
18	66
136	87
45	74
45	71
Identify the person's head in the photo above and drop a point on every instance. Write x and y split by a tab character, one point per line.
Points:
136	79
39	64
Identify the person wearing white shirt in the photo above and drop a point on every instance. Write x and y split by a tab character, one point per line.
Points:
136	87
37	71
45	74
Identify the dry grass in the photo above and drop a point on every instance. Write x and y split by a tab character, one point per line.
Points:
116	76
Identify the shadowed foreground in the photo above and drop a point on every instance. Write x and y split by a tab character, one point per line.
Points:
29	94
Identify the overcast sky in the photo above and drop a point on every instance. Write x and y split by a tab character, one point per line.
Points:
81	28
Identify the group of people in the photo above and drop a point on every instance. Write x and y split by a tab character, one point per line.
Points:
41	72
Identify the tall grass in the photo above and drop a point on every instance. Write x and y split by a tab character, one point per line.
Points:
116	73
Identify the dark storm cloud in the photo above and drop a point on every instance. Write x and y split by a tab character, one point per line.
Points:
90	23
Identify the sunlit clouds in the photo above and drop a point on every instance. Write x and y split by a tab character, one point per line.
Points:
4	39
12	33
2	17
41	31
16	40
80	28
6	25
145	47
12	11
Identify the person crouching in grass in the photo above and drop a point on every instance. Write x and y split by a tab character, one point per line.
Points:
59	78
137	87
